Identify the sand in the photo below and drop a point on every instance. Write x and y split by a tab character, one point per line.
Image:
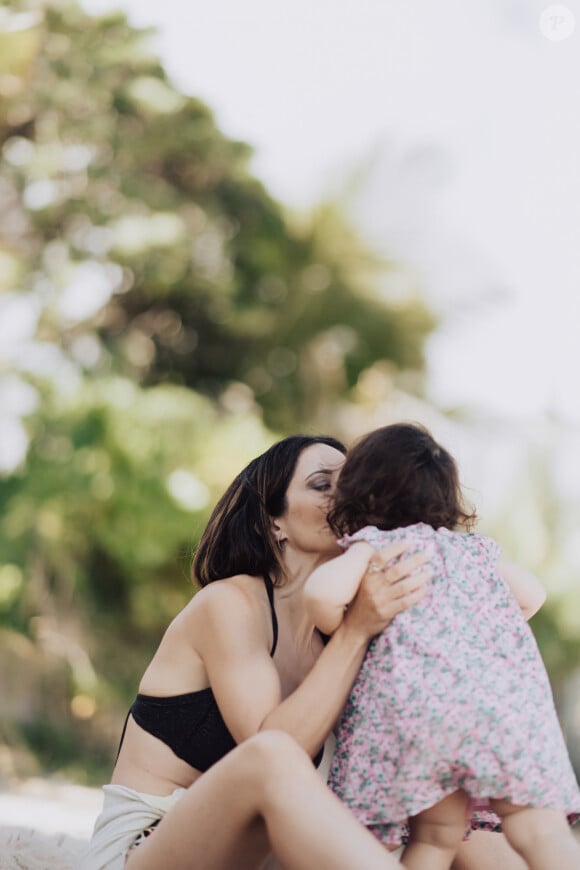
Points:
45	824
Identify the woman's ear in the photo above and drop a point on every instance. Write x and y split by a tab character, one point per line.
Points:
278	531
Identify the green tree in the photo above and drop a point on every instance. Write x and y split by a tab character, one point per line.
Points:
538	524
178	320
122	190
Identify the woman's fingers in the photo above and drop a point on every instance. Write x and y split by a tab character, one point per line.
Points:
405	566
416	583
384	560
408	598
387	589
397	548
407	574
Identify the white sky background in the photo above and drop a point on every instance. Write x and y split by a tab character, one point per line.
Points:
472	119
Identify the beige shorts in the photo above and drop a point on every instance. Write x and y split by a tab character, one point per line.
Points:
126	814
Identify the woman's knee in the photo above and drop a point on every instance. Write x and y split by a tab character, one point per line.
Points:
274	752
270	765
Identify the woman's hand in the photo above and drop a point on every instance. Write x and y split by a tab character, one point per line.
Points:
386	589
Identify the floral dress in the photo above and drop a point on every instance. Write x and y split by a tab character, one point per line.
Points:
453	694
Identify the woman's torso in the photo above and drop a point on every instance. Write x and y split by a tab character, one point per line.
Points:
175	689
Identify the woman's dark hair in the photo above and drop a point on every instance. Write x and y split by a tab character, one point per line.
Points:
238	538
397	476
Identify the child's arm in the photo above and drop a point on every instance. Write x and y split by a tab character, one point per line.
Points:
334	584
527	589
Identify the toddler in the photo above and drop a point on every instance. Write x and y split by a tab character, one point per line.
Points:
452	703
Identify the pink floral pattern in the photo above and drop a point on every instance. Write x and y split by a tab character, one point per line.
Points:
453	694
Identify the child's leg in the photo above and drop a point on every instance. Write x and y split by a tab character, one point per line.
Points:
541	836
487	850
436	834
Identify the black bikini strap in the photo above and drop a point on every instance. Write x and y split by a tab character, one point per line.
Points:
270	590
122	736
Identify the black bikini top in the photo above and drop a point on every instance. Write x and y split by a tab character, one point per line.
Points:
191	724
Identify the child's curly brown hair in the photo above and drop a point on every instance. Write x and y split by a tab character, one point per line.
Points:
397	476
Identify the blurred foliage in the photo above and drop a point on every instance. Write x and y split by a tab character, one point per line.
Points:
538	524
116	182
162	320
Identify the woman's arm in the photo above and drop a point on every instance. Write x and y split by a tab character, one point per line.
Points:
525	586
334	584
311	711
231	639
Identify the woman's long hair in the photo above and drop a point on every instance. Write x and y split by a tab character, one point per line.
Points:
238	538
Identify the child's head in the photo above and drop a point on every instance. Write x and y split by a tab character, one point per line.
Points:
397	476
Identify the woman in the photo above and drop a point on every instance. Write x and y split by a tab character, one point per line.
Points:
241	661
243	652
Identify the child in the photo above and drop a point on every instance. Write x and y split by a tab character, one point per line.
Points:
452	702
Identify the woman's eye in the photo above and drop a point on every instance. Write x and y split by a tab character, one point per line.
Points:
322	487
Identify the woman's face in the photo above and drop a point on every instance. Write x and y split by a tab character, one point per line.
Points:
303	526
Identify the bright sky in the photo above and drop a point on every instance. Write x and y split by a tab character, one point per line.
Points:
471	115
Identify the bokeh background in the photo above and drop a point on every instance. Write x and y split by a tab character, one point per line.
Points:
221	223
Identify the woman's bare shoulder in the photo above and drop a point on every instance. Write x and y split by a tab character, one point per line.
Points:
224	611
233	599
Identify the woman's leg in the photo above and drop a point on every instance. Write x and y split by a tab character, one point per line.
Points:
263	795
541	836
436	834
487	850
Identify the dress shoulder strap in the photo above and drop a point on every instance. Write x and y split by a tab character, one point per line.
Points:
270	590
